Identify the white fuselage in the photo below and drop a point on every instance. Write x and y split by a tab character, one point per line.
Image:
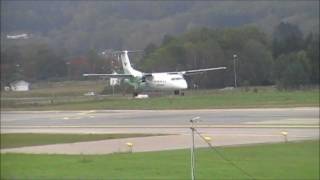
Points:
166	81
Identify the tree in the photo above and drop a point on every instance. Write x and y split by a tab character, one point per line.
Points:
293	76
312	48
256	64
292	70
49	65
150	48
287	38
167	39
10	65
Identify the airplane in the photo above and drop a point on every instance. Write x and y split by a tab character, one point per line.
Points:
18	36
163	81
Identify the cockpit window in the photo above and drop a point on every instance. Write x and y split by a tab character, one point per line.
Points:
174	79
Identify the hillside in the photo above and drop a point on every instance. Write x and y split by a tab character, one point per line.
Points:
81	25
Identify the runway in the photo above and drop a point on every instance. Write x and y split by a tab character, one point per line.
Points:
225	126
159	117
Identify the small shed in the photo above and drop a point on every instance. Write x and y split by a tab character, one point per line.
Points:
20	85
114	81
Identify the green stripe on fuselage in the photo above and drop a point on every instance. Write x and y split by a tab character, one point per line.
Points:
137	84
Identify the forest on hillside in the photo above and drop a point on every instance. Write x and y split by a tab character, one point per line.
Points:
289	60
276	42
78	26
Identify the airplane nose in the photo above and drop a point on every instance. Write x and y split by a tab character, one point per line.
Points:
183	85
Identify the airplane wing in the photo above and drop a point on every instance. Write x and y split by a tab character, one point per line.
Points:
197	71
125	76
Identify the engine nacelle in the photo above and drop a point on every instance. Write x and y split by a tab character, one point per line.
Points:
146	78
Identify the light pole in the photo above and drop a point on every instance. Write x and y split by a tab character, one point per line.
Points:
234	70
193	165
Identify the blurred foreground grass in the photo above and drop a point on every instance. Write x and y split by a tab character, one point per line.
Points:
293	160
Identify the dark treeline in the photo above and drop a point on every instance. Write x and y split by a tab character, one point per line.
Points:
289	59
34	61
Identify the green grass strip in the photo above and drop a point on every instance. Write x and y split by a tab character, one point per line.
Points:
192	100
29	139
293	160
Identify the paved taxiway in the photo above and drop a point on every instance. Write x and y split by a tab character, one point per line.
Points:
227	127
220	137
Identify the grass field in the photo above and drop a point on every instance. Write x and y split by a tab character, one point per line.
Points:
52	89
200	99
28	139
294	160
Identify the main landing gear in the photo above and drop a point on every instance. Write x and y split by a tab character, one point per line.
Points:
178	92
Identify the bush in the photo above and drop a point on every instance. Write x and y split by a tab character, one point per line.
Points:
293	70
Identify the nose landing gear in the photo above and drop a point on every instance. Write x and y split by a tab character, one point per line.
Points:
178	92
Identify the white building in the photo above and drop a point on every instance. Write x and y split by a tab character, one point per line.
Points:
20	85
114	81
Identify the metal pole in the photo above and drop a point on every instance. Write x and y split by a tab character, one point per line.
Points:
192	156
193	162
234	70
